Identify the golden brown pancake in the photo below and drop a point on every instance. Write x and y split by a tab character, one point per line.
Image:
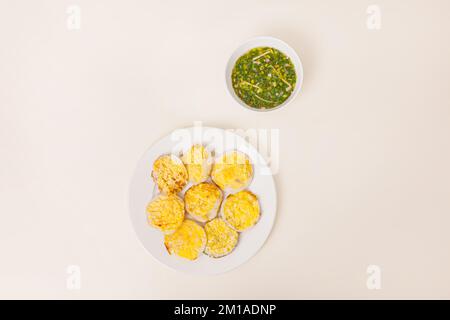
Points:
203	201
166	212
188	241
241	210
198	163
169	174
221	238
233	171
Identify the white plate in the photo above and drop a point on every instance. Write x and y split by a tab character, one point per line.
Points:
142	190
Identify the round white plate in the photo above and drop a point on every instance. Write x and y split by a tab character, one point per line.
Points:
143	189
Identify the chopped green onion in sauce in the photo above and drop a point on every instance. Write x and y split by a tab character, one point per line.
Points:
263	78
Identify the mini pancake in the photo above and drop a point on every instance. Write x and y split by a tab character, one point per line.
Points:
188	241
166	213
241	210
203	201
233	171
169	174
221	238
198	163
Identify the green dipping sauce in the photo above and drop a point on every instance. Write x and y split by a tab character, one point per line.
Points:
263	78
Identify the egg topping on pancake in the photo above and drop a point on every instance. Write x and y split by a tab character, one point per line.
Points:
198	163
203	201
232	171
241	210
166	213
169	174
188	241
221	238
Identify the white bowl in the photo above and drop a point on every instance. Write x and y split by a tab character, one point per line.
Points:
265	42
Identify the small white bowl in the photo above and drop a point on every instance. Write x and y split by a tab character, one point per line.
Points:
265	42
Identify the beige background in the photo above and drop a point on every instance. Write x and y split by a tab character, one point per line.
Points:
364	154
